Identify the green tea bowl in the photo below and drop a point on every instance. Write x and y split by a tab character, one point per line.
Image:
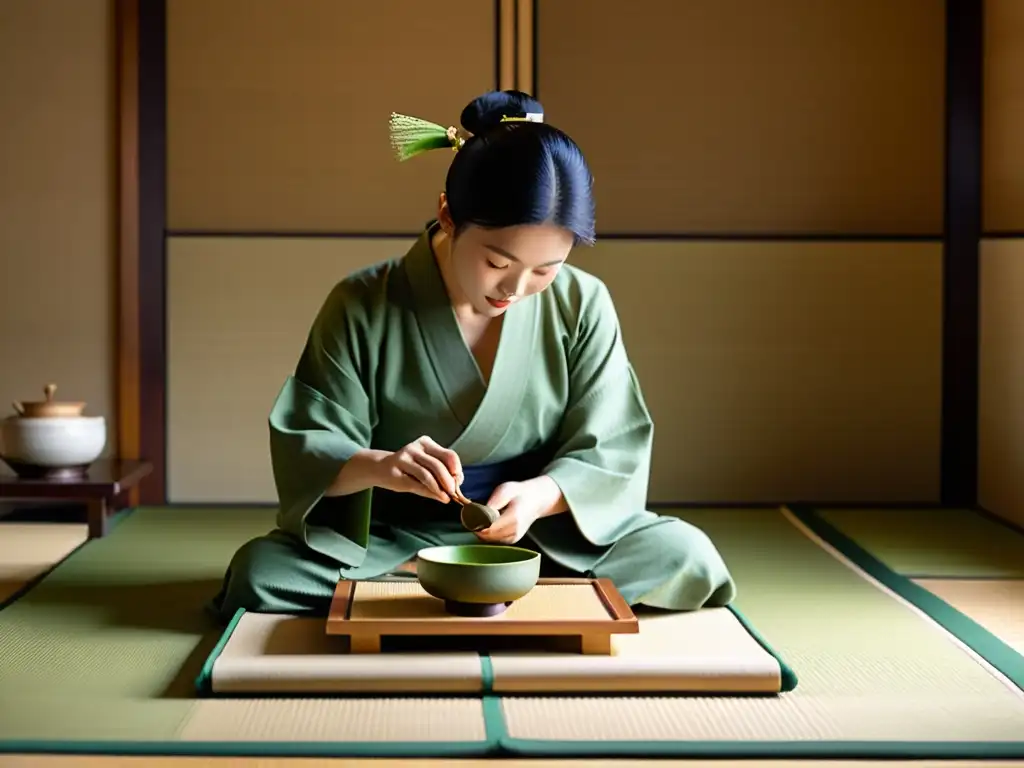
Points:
477	579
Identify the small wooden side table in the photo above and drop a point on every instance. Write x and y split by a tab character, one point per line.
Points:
105	480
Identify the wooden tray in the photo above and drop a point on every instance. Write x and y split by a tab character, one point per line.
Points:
591	609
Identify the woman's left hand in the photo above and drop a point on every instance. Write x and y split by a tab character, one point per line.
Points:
519	505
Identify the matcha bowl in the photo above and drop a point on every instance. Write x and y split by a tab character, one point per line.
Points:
477	579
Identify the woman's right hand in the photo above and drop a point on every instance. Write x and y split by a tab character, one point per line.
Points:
422	467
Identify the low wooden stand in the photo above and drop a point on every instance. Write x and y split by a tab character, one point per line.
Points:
590	609
98	486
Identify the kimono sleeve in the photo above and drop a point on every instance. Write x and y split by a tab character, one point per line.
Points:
320	418
603	447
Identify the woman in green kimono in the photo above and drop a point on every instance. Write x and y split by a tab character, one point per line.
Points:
479	360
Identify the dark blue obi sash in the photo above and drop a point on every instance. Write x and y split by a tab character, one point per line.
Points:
481	479
478	484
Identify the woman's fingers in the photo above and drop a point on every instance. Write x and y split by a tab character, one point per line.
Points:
496	538
430	470
459	496
449	458
445	480
501	531
417	472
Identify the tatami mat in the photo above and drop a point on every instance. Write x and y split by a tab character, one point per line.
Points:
971	630
366	720
106	648
28	550
710	651
871	668
970	561
919	543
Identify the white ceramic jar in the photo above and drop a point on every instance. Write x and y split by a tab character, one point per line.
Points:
52	434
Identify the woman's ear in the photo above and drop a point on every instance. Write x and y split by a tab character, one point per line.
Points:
444	216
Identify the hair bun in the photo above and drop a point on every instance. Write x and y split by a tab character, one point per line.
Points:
486	111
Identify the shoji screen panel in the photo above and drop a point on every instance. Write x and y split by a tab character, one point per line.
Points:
238	311
278	110
1003	120
1001	381
784	370
752	116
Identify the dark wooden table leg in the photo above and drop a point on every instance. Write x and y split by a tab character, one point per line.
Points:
97	517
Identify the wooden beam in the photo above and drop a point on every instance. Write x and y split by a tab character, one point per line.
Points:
128	443
141	379
152	234
961	276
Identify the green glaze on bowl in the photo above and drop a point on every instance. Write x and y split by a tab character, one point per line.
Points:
480	574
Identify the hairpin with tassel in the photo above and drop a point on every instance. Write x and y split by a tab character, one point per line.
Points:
411	136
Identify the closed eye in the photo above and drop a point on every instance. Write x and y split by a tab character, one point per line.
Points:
496	266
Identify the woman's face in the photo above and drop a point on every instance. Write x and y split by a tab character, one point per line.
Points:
495	268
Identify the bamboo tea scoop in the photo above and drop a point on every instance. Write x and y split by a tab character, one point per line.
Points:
474	516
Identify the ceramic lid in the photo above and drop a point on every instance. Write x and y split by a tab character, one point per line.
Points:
48	408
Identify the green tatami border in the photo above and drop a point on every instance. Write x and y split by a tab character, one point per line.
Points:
788	677
992	649
766	750
941	577
204	680
499	744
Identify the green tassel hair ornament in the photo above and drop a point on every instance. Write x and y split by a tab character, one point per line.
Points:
411	136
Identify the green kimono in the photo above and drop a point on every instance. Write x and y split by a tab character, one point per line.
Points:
385	363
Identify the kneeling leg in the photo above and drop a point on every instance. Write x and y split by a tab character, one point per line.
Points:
671	565
276	573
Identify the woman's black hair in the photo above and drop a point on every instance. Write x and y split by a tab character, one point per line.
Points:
515	172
